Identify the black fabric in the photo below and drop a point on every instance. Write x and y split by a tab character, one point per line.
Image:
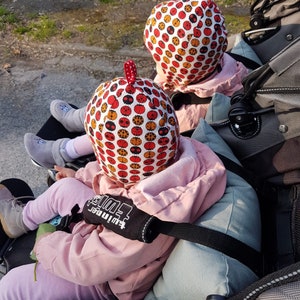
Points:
178	99
262	126
239	170
276	212
295	220
18	187
274	25
255	153
3	241
18	251
248	63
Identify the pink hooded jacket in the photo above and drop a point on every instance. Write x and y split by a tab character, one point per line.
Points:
94	255
227	81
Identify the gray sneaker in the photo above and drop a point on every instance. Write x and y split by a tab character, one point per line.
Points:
72	119
46	153
11	216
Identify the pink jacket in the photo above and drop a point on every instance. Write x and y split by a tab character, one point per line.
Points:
226	82
95	255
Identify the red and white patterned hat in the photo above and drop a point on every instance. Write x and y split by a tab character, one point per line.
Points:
133	127
187	39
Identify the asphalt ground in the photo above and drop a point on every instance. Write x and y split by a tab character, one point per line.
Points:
27	86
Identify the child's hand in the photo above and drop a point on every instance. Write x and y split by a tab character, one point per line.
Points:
63	172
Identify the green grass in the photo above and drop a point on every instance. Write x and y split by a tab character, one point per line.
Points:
43	28
231	2
106	1
40	29
95	27
6	17
67	34
84	28
21	30
236	24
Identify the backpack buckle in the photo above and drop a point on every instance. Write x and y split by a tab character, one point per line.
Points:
244	122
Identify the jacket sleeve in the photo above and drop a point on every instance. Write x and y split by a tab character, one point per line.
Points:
87	174
93	255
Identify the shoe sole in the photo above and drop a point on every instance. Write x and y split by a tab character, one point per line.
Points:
40	166
5	228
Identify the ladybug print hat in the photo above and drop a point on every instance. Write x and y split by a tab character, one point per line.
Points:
133	127
186	39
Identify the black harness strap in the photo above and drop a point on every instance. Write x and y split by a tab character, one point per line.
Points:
247	62
215	240
178	98
239	170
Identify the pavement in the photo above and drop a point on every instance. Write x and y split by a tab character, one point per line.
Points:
28	85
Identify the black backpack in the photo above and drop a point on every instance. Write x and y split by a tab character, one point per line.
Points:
263	130
274	24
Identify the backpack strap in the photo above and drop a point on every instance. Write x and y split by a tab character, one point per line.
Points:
239	170
247	62
214	239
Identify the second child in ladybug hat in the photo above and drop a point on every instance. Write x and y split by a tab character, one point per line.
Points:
187	40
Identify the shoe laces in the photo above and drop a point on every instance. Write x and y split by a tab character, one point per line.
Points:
40	140
18	202
65	108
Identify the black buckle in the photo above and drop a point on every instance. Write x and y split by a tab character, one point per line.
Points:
67	220
245	122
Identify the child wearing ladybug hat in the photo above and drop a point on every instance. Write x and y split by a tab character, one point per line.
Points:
133	129
187	40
